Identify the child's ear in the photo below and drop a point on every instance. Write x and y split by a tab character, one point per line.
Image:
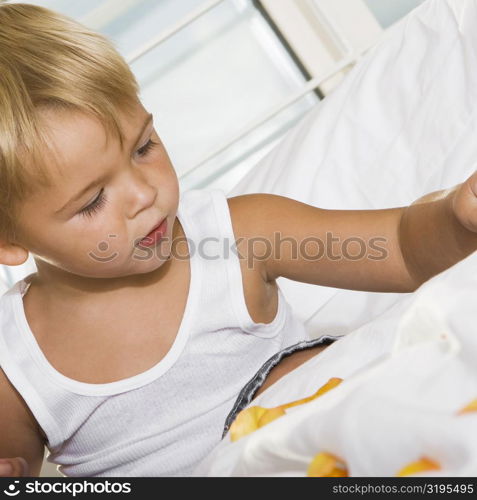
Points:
12	255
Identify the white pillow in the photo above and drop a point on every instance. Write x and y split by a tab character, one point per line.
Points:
401	124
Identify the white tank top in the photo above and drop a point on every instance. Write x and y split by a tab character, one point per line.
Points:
161	422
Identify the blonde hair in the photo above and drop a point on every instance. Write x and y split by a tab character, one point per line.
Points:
49	61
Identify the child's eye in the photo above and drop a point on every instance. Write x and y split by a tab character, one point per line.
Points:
146	148
95	206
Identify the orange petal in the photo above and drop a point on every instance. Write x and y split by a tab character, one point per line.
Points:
246	422
472	406
270	415
423	465
326	465
250	419
331	384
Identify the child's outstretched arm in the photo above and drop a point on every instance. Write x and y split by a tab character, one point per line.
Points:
388	250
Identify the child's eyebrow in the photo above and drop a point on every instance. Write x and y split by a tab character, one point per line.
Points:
94	183
81	193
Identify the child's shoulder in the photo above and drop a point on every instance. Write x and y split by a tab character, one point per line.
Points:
259	218
261	294
246	217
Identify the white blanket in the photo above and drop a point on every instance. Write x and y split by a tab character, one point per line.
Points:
406	377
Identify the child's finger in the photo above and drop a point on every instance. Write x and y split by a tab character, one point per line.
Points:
465	203
14	467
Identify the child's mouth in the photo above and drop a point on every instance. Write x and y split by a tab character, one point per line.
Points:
155	235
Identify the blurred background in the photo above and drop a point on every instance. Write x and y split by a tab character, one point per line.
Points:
226	79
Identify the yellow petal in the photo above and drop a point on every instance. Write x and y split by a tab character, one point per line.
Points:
423	465
339	473
331	384
270	415
326	465
250	419
472	406
246	422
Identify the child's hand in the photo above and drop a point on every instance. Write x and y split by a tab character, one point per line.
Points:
13	467
464	203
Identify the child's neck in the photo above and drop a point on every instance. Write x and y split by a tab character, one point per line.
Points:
66	286
55	283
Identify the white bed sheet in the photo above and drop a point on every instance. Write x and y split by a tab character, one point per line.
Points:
401	124
406	376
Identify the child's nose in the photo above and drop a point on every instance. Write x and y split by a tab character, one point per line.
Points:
140	193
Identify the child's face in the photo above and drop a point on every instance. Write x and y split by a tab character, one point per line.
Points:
97	233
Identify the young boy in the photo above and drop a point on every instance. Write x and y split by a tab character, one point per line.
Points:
136	336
